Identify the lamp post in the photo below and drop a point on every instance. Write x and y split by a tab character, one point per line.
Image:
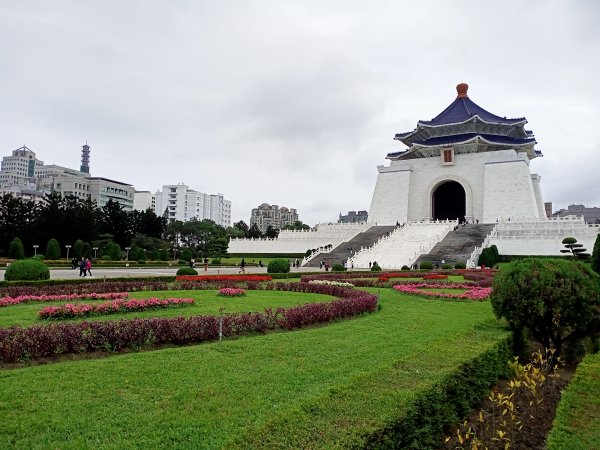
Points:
35	247
95	251
127	255
174	254
68	247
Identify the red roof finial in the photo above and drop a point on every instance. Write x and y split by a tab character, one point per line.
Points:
462	89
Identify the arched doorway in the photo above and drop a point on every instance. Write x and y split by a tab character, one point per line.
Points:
449	201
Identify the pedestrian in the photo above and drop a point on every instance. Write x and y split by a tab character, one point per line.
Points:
82	269
205	264
243	266
260	263
74	263
88	266
369	264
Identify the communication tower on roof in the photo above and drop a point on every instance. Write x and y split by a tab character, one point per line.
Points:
85	158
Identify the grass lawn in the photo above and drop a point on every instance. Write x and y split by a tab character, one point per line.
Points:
577	422
320	387
451	278
207	302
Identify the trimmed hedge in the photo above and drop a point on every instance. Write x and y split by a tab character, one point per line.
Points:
426	265
27	269
278	266
186	271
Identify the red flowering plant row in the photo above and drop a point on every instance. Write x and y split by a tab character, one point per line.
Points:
8	301
23	343
215	278
472	292
231	292
70	311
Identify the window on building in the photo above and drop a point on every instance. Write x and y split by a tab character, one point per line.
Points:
447	156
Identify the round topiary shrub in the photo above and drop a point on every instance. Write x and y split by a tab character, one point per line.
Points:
278	266
460	265
182	262
39	257
105	258
446	266
15	249
53	249
338	268
557	301
375	268
426	265
187	271
27	269
405	268
216	261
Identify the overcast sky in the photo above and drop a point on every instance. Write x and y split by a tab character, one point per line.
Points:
292	103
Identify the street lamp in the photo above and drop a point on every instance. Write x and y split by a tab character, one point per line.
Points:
68	247
95	251
35	247
127	250
174	253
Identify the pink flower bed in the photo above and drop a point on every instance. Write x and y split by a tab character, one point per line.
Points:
232	292
8	301
472	292
70	310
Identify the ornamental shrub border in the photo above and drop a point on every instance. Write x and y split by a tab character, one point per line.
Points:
224	278
231	292
19	343
9	301
70	311
473	292
332	283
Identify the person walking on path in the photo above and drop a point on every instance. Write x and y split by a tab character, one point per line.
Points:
88	266
243	266
82	267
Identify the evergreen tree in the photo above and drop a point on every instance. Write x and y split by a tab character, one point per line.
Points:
596	255
78	249
575	249
52	249
271	232
16	250
254	232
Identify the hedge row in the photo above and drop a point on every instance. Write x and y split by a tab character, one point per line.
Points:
21	344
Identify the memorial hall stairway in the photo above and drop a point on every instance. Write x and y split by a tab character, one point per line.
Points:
341	253
458	245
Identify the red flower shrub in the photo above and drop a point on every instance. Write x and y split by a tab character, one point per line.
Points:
435	276
215	278
472	292
70	311
231	292
8	301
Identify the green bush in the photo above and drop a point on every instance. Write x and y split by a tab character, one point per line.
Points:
27	269
182	262
405	268
278	266
187	271
486	258
141	262
216	261
446	266
38	256
495	253
426	265
113	251
375	268
15	249
106	258
163	254
338	268
460	265
186	254
557	301
78	249
596	255
52	249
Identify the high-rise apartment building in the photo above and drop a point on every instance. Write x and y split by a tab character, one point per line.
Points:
272	215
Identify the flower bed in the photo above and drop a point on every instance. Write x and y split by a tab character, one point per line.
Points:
224	278
24	343
8	301
435	276
472	292
70	311
332	283
231	292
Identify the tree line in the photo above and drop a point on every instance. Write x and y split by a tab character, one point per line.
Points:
81	228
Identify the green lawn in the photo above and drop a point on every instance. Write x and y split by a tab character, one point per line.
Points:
320	387
577	422
207	302
451	278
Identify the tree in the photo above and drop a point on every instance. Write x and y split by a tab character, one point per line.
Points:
243	227
556	300
78	249
254	232
52	249
575	249
16	250
116	221
271	232
148	223
297	225
596	255
114	251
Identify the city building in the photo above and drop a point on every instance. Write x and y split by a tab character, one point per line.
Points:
182	203
272	215
353	216
465	164
590	215
143	200
25	176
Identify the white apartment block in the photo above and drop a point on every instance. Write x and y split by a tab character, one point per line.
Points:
182	203
19	168
142	200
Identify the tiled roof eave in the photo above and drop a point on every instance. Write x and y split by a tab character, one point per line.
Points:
480	139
